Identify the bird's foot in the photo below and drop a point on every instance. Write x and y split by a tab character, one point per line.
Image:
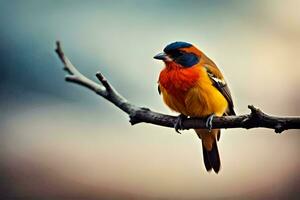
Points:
178	124
208	123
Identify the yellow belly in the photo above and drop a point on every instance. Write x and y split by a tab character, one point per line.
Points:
199	101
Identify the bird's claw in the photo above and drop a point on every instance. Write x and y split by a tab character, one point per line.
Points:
208	123
178	124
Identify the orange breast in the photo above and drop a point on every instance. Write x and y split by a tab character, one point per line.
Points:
177	80
190	91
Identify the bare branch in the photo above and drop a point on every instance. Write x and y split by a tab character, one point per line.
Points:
75	76
137	114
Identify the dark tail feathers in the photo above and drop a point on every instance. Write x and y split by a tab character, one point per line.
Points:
211	158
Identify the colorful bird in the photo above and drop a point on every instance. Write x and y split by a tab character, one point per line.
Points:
192	85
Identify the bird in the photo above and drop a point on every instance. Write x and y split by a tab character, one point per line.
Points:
192	85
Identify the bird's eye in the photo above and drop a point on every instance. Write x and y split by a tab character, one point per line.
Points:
176	54
187	59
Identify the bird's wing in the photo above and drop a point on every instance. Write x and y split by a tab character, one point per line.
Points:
218	81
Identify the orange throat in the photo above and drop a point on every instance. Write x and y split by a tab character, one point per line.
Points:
177	80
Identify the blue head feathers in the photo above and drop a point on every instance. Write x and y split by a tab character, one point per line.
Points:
176	45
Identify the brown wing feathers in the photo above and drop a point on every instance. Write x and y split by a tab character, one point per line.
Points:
219	82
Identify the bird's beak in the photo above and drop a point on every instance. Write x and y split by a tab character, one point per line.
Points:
161	56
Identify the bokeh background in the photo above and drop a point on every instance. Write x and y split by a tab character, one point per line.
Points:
60	141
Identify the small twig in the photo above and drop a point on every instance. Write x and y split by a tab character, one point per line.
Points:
137	115
104	81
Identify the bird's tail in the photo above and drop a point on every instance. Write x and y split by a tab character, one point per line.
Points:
210	150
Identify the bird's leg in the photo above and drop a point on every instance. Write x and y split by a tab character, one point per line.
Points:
178	124
208	123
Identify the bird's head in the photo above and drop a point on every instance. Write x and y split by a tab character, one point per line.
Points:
182	53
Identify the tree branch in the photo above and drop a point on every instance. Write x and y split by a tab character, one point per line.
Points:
137	114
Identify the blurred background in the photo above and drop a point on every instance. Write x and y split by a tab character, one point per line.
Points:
61	141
